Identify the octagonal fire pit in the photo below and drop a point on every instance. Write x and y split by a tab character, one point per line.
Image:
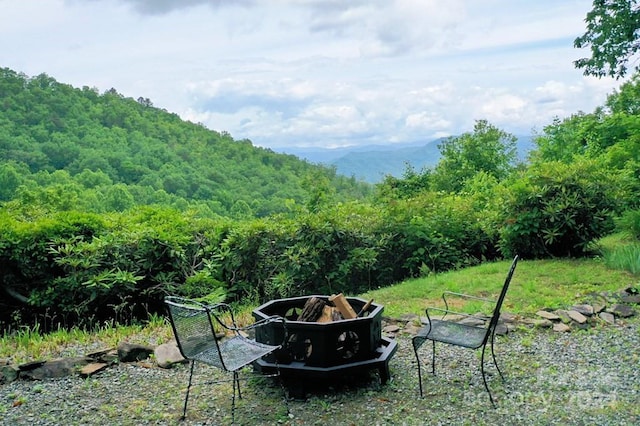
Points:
325	349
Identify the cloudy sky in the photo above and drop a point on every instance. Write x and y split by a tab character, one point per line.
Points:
317	73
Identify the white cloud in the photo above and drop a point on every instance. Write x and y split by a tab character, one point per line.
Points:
317	72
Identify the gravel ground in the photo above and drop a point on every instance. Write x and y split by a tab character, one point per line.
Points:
578	378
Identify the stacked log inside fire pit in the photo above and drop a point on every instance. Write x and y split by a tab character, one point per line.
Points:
335	308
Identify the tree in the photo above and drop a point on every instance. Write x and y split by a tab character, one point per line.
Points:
488	149
613	35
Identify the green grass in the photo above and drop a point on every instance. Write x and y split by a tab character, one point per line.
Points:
29	343
536	284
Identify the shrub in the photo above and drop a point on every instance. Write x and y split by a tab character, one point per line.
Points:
558	209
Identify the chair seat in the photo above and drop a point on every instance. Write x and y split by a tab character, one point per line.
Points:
454	333
237	352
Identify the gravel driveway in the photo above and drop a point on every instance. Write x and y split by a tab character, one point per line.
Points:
579	378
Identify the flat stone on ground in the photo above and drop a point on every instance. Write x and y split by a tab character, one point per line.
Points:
577	316
548	315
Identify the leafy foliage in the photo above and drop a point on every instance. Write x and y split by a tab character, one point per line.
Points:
488	149
558	210
613	34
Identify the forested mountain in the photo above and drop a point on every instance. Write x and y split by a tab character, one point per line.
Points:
95	152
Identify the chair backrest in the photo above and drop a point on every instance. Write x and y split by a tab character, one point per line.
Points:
193	329
496	311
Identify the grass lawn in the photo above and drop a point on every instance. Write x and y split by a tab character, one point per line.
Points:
536	284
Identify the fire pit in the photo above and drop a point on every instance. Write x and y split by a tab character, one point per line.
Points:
325	349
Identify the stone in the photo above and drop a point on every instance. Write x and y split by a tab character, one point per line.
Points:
542	323
584	309
131	352
472	321
622	311
561	327
502	329
168	354
577	316
607	317
55	368
508	317
93	368
393	328
598	307
108	356
8	373
548	315
631	299
564	316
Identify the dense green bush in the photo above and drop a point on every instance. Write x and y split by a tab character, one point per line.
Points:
437	232
558	209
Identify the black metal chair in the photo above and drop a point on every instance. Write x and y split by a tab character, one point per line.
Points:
462	334
193	327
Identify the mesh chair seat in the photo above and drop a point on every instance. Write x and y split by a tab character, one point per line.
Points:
236	352
454	333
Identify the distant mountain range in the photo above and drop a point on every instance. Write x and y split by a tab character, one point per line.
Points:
372	163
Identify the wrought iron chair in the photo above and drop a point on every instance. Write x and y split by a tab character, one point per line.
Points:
193	327
462	334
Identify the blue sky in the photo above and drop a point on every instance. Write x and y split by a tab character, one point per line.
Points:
318	73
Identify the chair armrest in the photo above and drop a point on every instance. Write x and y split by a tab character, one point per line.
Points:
223	307
464	296
446	312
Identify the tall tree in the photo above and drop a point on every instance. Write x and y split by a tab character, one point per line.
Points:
613	35
488	149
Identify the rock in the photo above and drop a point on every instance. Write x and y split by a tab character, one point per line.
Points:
561	327
564	316
598	307
393	328
508	317
168	354
60	367
607	317
584	309
108	356
472	321
131	352
631	299
548	315
8	373
91	369
577	316
622	311
541	323
502	329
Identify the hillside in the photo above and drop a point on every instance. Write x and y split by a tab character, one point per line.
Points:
91	146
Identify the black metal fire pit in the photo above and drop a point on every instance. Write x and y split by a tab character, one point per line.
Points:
324	350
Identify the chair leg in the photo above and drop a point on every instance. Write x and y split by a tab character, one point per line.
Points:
484	378
186	397
495	362
415	350
433	357
236	385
